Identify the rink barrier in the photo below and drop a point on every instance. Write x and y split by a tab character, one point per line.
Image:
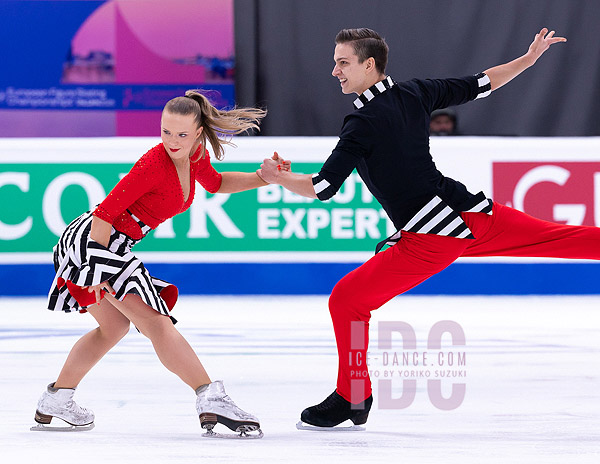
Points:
462	278
243	243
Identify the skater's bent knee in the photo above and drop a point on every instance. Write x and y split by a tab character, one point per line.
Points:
156	326
340	299
122	330
115	331
348	301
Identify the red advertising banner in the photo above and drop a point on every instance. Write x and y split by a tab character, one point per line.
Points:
567	193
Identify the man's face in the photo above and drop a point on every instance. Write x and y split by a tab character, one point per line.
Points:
441	124
351	74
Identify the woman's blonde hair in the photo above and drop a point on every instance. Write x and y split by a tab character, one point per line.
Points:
218	125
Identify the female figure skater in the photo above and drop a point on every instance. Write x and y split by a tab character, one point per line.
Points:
96	270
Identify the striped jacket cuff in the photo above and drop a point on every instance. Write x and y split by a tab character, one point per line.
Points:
323	188
484	85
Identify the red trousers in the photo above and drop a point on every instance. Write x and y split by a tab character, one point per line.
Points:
416	257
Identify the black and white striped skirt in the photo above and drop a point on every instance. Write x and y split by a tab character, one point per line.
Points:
80	262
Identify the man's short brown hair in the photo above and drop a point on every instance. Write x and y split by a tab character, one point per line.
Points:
366	43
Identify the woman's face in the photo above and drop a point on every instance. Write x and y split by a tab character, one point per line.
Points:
179	134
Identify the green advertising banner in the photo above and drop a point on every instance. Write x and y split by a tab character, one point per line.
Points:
253	236
39	199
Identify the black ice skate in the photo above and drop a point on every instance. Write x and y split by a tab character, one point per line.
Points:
333	411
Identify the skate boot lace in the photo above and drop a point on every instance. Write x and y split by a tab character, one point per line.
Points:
333	401
241	413
74	407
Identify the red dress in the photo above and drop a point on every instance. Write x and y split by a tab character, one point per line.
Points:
148	195
152	191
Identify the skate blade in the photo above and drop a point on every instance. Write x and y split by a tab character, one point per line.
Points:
355	428
243	435
68	428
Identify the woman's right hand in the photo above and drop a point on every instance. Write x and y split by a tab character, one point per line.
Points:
97	289
284	165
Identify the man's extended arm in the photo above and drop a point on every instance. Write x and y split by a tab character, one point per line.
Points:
500	75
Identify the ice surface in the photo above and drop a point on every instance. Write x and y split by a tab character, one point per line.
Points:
532	384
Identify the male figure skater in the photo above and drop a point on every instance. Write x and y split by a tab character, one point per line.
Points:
386	139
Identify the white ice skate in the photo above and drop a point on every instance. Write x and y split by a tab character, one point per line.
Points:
58	402
214	406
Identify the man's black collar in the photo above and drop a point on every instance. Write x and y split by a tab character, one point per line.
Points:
373	91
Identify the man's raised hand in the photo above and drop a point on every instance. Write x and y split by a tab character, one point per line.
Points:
542	42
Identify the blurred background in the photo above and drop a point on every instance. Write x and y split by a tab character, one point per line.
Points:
83	84
103	68
284	55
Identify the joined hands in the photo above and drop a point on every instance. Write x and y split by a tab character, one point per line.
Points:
272	167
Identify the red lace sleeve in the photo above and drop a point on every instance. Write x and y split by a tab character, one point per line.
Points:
206	174
142	178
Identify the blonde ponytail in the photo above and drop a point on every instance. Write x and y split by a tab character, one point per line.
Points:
219	125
